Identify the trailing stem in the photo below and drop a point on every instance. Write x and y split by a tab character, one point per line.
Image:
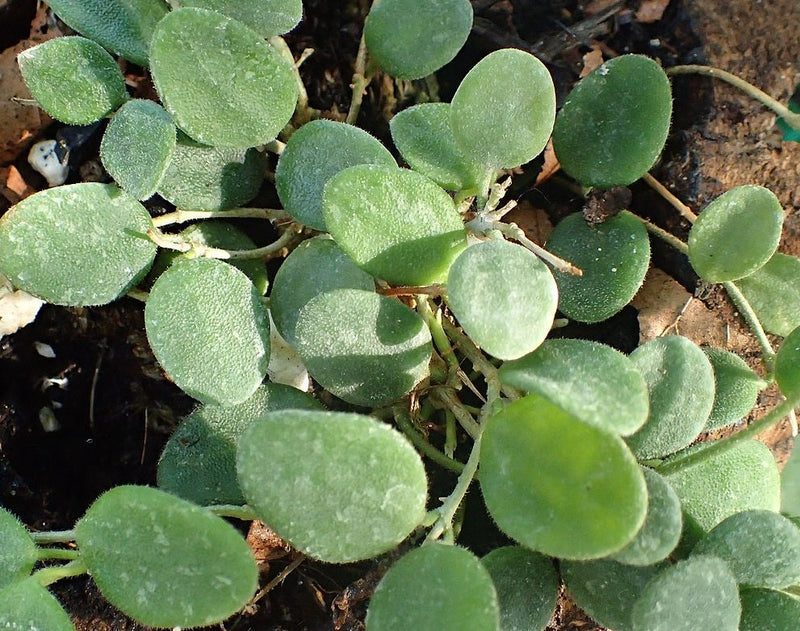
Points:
182	216
401	417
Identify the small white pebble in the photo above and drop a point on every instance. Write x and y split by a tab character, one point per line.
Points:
45	350
48	420
42	157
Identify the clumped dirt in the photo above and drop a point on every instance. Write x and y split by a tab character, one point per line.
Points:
98	412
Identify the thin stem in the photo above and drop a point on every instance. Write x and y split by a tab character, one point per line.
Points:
360	82
777	414
665	236
60	554
450	505
438	335
790	118
677	204
411	290
245	513
279	578
138	294
182	216
485	190
302	100
738	298
403	421
49	575
175	242
450	434
53	536
513	231
447	398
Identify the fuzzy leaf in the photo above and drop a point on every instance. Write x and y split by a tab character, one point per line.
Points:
614	123
736	234
790	484
680	379
769	610
164	561
614	257
744	477
527	587
787	366
73	79
424	137
124	27
315	266
209	330
355	487
266	17
137	146
211	178
593	382
736	388
363	347
661	531
449	589
199	460
394	223
76	245
504	297
222	83
27	606
761	547
314	154
774	293
18	551
503	111
534	455
410	40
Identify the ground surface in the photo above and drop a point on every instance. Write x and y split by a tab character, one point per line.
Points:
114	411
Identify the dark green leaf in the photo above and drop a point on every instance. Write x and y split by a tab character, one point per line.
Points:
18	552
787	366
769	610
27	606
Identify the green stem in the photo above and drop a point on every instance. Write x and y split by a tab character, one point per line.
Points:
450	434
738	298
440	339
777	414
450	505
53	536
447	398
138	294
360	82
182	216
513	231
665	236
49	575
60	554
175	242
403	421
790	118
485	189
245	513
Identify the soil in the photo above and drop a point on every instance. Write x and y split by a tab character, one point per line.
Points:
97	412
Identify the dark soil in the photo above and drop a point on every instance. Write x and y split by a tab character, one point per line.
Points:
113	407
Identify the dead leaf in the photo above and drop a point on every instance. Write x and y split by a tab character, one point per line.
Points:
591	60
551	164
598	6
534	221
651	11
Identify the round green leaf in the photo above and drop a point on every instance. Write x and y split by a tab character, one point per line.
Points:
698	593
424	137
394	223
534	455
607	590
342	487
432	588
164	561
211	178
512	133
769	610
680	379
614	123
73	79
266	17
137	146
76	245
742	478
18	551
527	587
122	26
314	154
592	381
614	257
317	265
736	388
410	39
365	348
761	547
504	297
209	330
774	293
736	234
199	460
222	83
790	484
27	606
662	528
787	366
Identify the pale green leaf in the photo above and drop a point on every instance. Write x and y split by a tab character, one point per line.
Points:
503	296
164	561
787	366
222	83
341	487
736	388
17	552
266	17
209	330
27	606
76	245
774	293
433	588
73	79
790	484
